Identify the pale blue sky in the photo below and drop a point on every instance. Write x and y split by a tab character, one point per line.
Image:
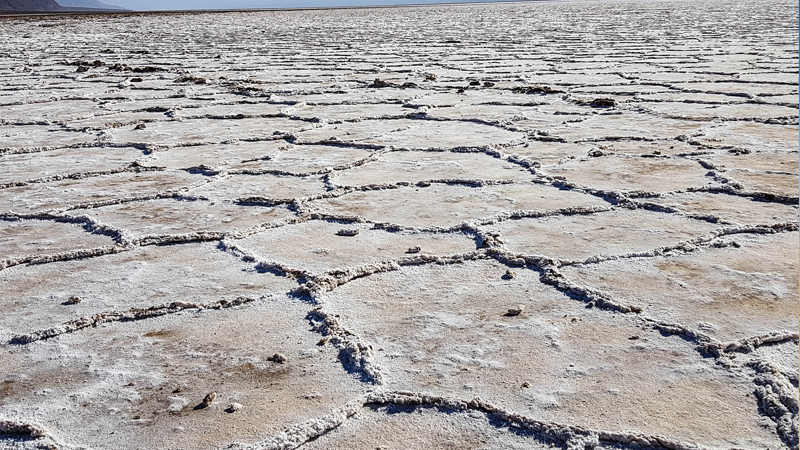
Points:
153	5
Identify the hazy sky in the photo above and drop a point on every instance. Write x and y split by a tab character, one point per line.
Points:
145	5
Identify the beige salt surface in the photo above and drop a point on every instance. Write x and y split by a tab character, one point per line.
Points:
401	427
711	290
730	208
774	183
273	187
443	330
175	216
285	204
139	385
421	166
94	190
316	246
442	205
140	278
634	173
618	232
41	237
17	168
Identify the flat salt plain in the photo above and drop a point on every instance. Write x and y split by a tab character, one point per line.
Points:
187	176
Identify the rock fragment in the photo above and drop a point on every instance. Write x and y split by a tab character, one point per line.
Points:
414	250
515	311
207	401
378	83
347	232
279	358
233	407
603	103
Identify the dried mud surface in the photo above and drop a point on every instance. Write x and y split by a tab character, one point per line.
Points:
523	225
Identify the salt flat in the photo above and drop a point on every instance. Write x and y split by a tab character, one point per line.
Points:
528	225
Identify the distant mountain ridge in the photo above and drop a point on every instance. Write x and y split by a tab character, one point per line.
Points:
29	5
94	4
52	5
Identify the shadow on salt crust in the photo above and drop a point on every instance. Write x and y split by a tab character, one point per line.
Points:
712	290
443	330
140	278
441	205
136	386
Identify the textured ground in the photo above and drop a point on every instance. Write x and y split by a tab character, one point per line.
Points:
623	177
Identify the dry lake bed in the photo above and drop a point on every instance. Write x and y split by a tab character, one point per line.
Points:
533	225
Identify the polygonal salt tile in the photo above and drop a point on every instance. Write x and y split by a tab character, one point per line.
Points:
30	166
41	237
623	126
580	236
274	187
214	156
337	113
245	109
172	216
412	167
713	290
34	296
317	246
413	133
101	189
442	205
204	131
38	136
425	427
782	163
53	111
306	158
755	136
731	208
773	183
141	384
633	173
444	330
